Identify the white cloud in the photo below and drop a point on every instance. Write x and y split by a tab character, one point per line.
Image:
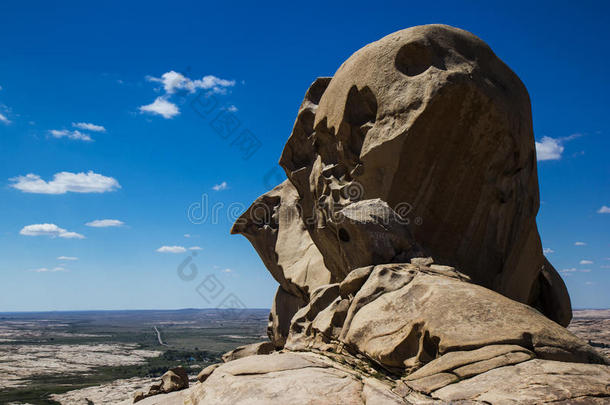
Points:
227	271
549	149
75	135
64	182
195	248
171	249
173	81
46	270
51	230
105	223
4	119
604	210
88	126
604	266
580	244
232	108
589	283
552	148
575	270
586	262
570	270
187	235
221	186
161	107
71	258
548	251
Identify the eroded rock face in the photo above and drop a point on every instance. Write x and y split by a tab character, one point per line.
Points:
175	379
290	378
284	306
274	226
248	350
533	382
405	316
430	121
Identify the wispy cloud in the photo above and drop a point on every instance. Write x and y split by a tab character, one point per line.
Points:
88	126
548	251
161	107
585	262
171	249
71	258
232	108
65	182
74	135
4	120
173	81
195	248
221	186
580	244
604	210
552	148
50	230
47	270
105	223
575	270
227	271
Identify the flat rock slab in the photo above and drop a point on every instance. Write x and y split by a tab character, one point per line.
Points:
534	382
289	378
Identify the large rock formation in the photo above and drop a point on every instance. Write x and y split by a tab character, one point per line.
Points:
432	122
405	244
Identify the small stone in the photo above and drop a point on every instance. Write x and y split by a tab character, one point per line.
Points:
422	261
206	372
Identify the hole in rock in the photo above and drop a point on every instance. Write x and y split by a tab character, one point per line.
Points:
343	235
414	58
361	106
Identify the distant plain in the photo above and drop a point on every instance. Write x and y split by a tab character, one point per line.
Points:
48	353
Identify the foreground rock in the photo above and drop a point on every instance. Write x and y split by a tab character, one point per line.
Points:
432	122
405	315
317	378
175	379
295	378
248	350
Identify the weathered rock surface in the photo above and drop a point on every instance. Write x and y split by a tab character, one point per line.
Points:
173	398
206	372
430	121
284	306
175	379
534	382
274	226
310	378
295	378
248	350
405	316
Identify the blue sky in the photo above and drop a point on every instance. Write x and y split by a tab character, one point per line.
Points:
87	113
